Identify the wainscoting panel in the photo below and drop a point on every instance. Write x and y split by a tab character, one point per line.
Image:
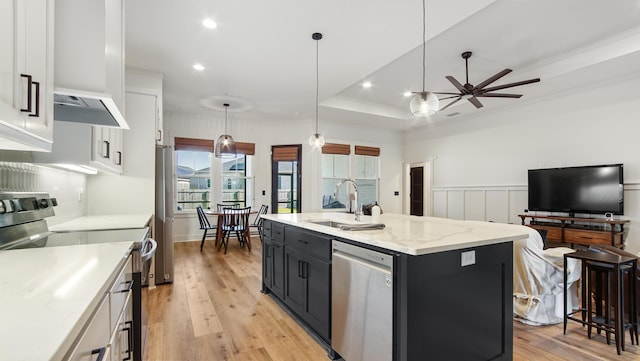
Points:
497	206
440	204
480	203
455	204
474	205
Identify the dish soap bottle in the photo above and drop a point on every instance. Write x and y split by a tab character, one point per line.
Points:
375	212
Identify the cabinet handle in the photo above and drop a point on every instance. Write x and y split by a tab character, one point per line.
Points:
303	241
37	113
300	269
128	288
106	149
29	86
305	269
118	157
100	351
159	139
129	349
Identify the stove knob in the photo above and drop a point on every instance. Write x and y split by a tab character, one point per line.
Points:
54	202
17	207
2	208
43	203
8	206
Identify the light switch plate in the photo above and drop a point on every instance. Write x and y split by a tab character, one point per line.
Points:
468	258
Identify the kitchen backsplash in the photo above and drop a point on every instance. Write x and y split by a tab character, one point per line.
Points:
17	174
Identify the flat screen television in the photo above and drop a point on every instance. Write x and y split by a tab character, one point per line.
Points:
591	189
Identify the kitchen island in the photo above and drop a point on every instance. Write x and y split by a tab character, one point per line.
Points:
451	282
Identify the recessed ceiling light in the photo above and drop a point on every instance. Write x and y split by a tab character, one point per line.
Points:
198	67
407	94
366	84
209	23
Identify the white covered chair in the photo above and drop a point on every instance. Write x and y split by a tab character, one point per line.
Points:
538	281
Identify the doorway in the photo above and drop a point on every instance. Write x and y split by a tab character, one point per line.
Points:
286	174
417	189
416	181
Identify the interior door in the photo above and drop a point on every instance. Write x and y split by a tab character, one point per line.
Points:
417	191
286	185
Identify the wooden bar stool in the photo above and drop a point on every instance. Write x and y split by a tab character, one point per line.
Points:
608	271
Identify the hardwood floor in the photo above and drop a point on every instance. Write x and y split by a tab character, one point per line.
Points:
214	311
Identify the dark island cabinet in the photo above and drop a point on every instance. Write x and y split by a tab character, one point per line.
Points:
297	270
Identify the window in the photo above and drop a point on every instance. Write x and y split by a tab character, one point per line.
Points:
334	168
237	183
193	175
366	175
338	164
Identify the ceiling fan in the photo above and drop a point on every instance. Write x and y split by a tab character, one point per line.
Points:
473	92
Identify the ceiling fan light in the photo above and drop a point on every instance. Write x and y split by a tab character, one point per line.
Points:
424	104
316	140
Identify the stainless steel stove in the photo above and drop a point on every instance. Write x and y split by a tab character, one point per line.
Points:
23	226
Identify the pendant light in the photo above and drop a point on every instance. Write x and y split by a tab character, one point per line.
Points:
316	140
225	146
424	103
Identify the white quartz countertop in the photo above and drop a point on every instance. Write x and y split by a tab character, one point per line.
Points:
48	294
410	234
104	222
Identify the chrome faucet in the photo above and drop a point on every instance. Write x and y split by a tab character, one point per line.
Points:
355	195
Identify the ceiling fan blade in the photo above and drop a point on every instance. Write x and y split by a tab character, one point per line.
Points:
450	104
499	95
451	97
493	78
444	93
518	83
475	102
455	83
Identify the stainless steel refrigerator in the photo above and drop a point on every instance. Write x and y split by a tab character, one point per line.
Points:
163	226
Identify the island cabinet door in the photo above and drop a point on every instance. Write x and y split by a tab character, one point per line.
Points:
317	273
267	263
294	282
277	283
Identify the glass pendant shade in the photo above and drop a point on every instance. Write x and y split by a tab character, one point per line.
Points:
316	140
424	104
225	147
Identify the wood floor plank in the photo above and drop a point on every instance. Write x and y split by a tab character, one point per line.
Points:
251	326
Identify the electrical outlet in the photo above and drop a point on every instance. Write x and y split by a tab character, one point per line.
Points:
468	258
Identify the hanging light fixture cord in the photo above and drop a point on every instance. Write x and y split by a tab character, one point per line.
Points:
317	81
424	46
226	108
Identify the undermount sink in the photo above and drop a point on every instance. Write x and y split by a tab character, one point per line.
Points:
349	226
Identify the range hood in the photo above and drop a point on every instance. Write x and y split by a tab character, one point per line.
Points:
87	108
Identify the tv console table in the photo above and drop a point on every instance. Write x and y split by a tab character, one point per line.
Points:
574	230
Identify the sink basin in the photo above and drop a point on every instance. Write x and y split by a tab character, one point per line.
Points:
350	226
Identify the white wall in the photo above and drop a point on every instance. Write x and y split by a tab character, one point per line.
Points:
265	134
480	164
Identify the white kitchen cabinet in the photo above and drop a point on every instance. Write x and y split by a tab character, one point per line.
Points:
95	339
82	145
141	82
90	47
26	74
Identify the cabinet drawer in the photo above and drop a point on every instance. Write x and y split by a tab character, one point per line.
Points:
266	228
277	231
586	237
96	336
313	244
119	292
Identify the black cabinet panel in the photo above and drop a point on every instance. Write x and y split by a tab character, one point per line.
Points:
294	283
318	308
277	284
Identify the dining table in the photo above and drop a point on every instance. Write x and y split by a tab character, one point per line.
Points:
219	215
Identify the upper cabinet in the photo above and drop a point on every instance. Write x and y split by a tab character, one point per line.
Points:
26	74
89	56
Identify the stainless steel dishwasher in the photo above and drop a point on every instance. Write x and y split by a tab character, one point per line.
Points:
361	303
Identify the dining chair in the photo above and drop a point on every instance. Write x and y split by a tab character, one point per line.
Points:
235	220
257	222
205	226
222	206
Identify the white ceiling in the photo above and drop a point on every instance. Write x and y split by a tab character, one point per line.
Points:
261	55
